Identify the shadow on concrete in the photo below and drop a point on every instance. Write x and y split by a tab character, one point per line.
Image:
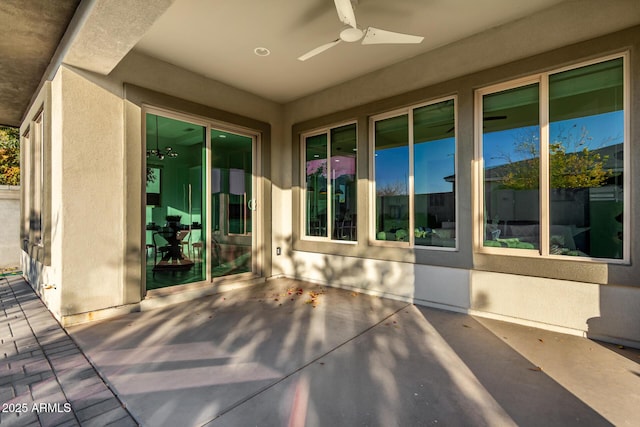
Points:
294	353
528	394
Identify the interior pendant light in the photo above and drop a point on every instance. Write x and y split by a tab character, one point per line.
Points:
160	154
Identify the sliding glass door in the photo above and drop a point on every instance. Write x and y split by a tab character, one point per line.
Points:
200	202
232	203
175	202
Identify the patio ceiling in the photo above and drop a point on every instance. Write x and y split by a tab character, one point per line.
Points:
29	35
217	39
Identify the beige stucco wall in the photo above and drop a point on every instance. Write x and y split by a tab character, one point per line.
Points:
97	173
96	163
10	230
519	48
437	286
93	189
601	312
146	72
567	23
595	299
36	256
463	88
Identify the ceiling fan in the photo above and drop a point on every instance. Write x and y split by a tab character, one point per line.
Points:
351	33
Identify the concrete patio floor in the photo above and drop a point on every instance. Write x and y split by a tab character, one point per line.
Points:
293	353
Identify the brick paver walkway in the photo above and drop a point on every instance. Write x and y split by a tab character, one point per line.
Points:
45	380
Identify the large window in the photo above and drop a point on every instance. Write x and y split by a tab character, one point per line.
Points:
553	163
511	153
330	185
37	179
414	176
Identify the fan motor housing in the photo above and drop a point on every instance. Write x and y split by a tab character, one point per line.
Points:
351	34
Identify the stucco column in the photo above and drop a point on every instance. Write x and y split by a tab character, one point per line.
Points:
90	221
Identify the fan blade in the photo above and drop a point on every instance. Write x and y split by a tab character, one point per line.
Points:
318	50
345	12
378	36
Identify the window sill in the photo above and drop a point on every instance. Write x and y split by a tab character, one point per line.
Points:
320	239
535	254
560	269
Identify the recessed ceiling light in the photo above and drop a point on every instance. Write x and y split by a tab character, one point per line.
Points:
261	51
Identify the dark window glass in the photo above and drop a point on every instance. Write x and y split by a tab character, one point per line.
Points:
511	152
392	178
434	175
586	161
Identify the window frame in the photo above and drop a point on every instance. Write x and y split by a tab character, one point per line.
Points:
209	121
325	130
409	111
26	185
542	79
38	159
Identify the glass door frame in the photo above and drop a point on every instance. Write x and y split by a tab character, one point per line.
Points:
256	264
257	202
